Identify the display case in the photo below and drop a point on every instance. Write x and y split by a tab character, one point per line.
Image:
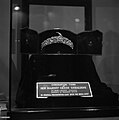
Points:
55	49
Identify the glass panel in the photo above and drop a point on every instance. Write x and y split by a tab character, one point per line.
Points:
43	18
55	63
106	19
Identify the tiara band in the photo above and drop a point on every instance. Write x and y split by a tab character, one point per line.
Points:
57	39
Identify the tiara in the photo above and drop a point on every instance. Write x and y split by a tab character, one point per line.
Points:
57	39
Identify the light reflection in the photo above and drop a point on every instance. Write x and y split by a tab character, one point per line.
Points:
77	20
17	8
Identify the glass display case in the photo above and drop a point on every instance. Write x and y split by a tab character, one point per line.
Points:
55	51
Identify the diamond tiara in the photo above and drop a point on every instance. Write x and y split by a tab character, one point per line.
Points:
57	39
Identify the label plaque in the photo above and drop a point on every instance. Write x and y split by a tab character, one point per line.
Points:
63	89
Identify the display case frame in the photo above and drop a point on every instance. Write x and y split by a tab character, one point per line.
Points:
18	114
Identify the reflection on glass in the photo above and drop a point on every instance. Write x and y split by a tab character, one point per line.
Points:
49	17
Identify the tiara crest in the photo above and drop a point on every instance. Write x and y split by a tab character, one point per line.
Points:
57	39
